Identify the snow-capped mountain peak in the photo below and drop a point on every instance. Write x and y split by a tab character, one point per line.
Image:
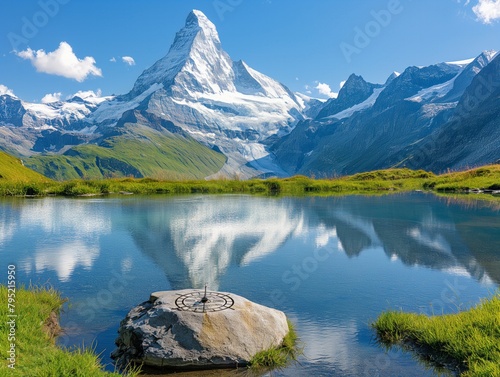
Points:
218	101
391	77
195	61
484	57
197	20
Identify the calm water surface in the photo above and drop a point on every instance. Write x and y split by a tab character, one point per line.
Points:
331	264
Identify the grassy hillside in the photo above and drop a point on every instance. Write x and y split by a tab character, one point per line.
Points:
145	152
12	170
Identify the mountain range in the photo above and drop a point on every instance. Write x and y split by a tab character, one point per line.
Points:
196	113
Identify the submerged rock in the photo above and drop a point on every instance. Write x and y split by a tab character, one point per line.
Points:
192	329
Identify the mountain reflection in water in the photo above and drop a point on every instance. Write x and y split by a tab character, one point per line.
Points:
194	240
332	264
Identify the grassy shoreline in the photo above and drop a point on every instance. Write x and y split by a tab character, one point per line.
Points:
467	342
381	181
33	334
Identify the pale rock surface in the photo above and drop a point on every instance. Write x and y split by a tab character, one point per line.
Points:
157	333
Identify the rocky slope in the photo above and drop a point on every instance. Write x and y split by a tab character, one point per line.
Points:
414	120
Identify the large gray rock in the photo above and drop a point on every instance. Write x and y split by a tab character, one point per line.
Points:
174	329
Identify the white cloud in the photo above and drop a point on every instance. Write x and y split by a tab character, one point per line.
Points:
325	90
342	84
5	90
487	11
51	97
62	62
112	60
128	60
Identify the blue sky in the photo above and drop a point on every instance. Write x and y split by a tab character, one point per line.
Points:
309	45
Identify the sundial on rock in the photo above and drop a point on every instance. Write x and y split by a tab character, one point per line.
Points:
203	301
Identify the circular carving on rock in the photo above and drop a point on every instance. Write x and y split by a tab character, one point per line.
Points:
202	302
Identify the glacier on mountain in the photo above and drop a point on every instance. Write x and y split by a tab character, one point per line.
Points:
434	92
366	104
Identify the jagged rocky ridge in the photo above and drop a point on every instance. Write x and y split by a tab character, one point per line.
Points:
416	119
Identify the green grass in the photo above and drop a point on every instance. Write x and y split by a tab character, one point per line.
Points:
287	186
165	177
145	153
486	177
278	357
468	342
12	170
36	351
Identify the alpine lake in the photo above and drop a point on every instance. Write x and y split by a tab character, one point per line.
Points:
332	264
